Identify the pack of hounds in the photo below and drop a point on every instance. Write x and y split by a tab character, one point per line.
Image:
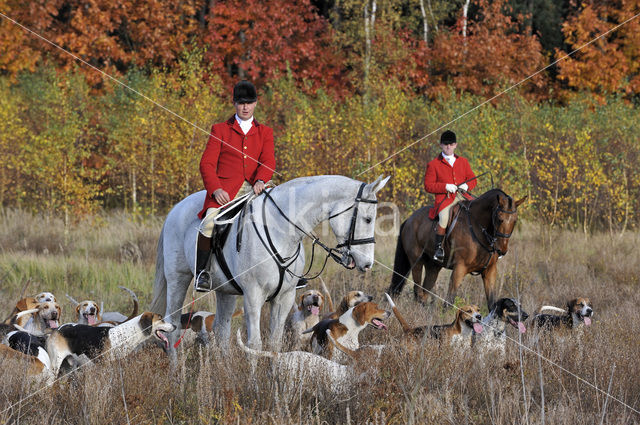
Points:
321	339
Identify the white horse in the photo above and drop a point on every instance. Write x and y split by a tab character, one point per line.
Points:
271	237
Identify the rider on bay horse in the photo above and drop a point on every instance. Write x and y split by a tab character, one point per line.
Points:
449	177
239	157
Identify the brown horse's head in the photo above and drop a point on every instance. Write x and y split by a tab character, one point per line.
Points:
504	217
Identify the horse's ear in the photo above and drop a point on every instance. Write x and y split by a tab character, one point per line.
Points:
377	184
521	200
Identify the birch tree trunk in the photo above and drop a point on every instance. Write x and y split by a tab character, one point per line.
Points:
425	24
369	24
465	14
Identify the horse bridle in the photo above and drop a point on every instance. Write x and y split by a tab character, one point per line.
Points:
341	256
496	233
491	238
350	241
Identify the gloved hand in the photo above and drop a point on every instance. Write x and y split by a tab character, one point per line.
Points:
451	188
464	187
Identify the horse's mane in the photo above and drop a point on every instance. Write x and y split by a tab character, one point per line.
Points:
490	197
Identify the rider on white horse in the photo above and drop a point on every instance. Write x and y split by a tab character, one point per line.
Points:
239	157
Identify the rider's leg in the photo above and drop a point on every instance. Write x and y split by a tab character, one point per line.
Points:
203	251
443	221
440	231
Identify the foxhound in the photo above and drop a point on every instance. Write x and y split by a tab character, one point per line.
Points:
304	315
297	367
89	313
29	303
505	311
577	314
42	318
38	366
460	331
347	327
201	323
352	299
94	341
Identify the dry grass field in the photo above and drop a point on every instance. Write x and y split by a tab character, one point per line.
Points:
565	378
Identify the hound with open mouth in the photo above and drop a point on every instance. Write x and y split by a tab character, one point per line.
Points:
304	315
94	341
461	330
578	314
347	327
505	311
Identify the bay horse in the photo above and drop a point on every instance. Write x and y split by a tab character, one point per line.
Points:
263	251
477	235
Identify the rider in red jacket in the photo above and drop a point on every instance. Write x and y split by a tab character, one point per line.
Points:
239	157
448	176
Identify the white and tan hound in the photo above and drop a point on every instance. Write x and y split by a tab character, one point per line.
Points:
352	299
578	314
304	315
29	303
94	341
42	318
347	327
201	323
460	331
300	367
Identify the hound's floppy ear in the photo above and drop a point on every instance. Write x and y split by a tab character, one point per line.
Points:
521	200
571	304
377	185
78	310
301	300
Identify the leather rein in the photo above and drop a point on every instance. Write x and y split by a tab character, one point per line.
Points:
490	238
341	256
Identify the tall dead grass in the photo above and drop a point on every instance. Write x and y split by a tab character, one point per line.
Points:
414	383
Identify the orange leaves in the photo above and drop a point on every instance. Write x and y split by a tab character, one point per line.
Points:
612	63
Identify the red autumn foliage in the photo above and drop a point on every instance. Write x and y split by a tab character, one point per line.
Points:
493	54
610	64
260	40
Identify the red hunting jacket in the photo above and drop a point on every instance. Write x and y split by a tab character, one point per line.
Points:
439	173
227	165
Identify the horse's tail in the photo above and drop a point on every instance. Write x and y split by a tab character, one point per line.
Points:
159	303
401	267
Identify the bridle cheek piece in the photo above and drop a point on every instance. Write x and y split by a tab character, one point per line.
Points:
344	248
496	233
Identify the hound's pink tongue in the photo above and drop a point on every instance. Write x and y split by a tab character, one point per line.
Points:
477	327
315	310
587	321
53	324
379	324
91	320
521	327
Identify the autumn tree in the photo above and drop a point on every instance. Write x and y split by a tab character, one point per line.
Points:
109	35
491	55
260	41
611	64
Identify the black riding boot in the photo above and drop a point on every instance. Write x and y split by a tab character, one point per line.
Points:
203	252
439	253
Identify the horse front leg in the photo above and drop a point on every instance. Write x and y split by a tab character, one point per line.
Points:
280	308
177	285
459	272
489	276
225	306
423	293
253	302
